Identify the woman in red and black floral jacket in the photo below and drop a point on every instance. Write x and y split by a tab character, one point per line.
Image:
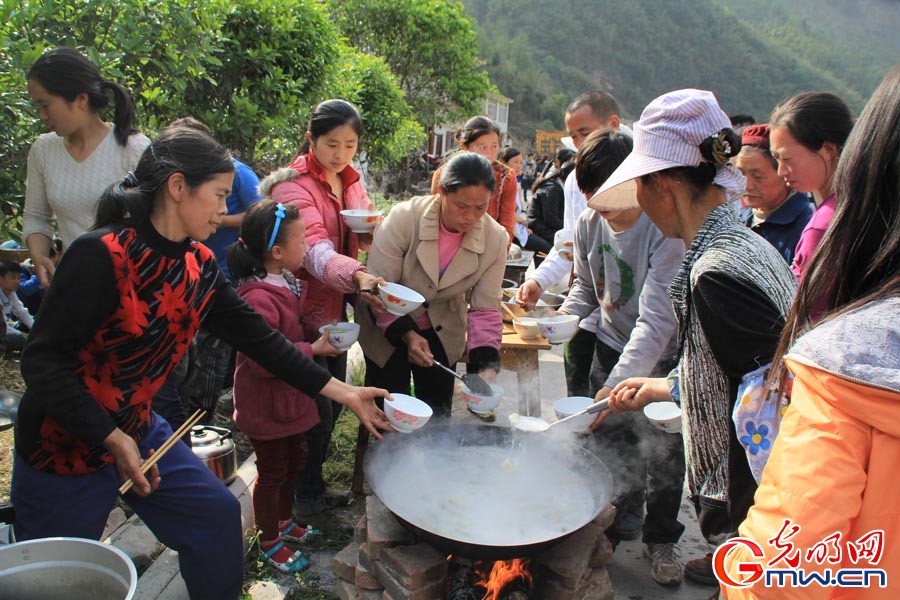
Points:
120	313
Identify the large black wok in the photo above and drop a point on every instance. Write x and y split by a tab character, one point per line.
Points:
383	456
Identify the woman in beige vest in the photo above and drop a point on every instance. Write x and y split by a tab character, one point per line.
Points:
447	248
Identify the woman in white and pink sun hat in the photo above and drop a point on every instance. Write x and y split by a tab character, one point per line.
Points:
731	295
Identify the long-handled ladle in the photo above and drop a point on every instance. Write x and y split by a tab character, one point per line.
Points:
538	425
475	383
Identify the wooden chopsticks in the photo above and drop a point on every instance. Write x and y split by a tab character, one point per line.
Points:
508	310
167	445
541	255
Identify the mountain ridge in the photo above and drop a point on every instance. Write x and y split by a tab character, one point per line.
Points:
751	53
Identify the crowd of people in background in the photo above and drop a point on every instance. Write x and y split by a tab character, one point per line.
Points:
705	249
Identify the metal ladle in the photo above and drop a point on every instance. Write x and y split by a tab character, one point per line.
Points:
538	425
475	383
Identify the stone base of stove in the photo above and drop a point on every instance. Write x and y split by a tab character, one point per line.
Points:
385	562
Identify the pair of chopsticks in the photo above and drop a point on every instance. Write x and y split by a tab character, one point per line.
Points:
541	255
508	310
167	445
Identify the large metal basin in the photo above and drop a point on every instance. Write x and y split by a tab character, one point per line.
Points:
388	463
70	568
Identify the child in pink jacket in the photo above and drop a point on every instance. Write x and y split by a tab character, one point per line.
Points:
274	415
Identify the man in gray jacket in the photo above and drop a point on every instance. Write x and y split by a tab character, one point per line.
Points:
623	266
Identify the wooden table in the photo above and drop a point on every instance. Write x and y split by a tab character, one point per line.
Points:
521	357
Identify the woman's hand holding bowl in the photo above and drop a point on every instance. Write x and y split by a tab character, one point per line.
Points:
489	374
361	400
322	347
367	284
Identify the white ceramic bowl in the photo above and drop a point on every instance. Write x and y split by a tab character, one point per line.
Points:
527	328
482	404
406	413
565	407
665	416
399	299
558	329
559	242
341	335
361	221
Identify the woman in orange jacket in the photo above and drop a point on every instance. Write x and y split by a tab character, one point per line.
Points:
482	136
831	478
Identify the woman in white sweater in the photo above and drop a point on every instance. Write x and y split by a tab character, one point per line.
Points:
71	166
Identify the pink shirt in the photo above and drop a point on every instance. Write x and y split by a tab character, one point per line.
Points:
482	325
811	236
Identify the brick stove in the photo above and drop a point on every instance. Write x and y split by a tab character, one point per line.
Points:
386	562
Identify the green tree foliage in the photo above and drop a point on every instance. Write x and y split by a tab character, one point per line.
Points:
251	70
640	49
430	45
273	58
391	131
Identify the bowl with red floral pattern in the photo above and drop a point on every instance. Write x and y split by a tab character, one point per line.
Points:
406	413
398	299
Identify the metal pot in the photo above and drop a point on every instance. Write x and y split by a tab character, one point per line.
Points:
214	446
73	568
395	460
9	408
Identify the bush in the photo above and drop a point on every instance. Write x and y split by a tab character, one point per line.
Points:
251	70
391	132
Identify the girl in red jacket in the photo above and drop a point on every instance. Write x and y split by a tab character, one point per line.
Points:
321	182
274	415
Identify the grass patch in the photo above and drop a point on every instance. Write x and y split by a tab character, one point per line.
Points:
10	379
338	467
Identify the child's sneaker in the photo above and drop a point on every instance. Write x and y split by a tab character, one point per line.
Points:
294	533
280	557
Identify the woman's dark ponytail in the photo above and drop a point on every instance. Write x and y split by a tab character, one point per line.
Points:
245	256
192	153
66	72
123	204
123	117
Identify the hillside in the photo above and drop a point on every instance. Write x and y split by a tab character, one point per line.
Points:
543	53
856	42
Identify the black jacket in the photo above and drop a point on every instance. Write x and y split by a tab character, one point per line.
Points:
545	210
